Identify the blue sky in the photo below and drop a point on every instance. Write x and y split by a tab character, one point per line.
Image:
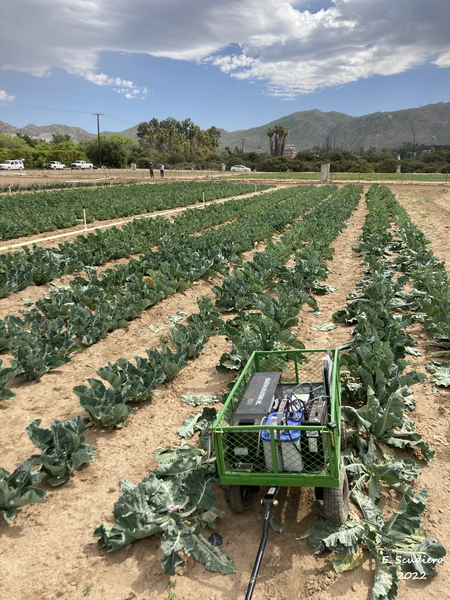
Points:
234	64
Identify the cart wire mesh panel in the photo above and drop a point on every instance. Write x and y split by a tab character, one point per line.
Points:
255	444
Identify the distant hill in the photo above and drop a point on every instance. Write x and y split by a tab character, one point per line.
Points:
131	132
45	132
430	124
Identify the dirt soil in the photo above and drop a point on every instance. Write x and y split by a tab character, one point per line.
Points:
49	552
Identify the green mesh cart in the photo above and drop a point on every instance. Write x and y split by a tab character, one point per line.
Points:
262	449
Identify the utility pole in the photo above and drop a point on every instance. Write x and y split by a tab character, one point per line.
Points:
98	138
243	145
414	146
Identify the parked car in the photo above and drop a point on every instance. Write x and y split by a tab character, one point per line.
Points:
55	164
8	165
81	164
239	168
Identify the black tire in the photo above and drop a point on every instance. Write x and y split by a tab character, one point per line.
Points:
344	441
335	500
239	497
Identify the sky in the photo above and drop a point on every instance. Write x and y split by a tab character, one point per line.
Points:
235	64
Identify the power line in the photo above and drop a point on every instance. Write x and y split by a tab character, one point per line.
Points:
82	112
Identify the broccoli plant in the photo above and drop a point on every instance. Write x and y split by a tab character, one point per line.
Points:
63	448
18	489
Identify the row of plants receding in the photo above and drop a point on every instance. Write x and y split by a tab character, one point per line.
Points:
61	185
377	390
181	506
243	289
27	214
21	269
86	311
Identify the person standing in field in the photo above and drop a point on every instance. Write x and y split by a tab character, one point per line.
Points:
152	175
161	169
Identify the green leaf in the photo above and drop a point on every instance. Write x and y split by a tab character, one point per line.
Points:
187	430
441	373
211	556
343	538
345	562
275	526
195	400
125	530
208	518
385	585
413	439
368	507
352	416
324	327
420	558
406	519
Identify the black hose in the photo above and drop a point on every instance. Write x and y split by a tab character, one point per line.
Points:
259	556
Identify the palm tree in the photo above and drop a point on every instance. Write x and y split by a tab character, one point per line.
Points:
163	138
279	132
270	133
285	134
171	130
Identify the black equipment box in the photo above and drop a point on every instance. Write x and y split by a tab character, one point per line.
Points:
258	399
313	443
253	408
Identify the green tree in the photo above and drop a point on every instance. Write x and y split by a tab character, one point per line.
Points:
59	138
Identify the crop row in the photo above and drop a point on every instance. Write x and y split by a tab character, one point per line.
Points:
27	214
88	309
162	490
243	289
377	390
62	185
19	270
249	331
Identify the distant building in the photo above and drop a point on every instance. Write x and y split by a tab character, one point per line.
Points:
290	151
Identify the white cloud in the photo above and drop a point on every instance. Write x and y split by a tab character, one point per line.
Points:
4	97
443	60
295	46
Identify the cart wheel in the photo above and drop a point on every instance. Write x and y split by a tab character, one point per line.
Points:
344	441
335	500
239	497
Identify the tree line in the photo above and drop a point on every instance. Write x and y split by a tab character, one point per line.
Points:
183	144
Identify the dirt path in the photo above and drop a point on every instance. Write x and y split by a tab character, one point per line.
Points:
49	553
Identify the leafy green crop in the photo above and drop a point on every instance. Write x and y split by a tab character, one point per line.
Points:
18	489
47	211
175	499
378	389
63	448
398	543
99	304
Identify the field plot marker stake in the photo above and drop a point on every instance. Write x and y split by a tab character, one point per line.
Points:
203	199
84	217
10	190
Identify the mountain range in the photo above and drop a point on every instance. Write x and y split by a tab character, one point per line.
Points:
429	125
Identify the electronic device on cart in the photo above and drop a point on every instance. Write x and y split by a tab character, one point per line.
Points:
281	426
